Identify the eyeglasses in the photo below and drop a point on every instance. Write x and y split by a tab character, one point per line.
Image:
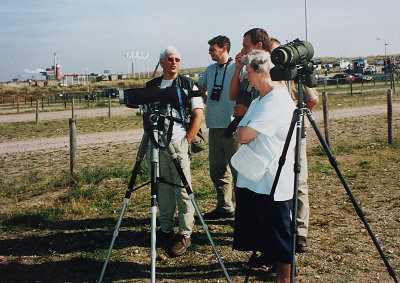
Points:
211	49
170	59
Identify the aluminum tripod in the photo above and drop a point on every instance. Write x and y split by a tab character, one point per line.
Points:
297	122
155	179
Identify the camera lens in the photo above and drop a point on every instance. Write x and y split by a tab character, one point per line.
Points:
280	56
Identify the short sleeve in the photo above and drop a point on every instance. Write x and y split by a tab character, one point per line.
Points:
197	102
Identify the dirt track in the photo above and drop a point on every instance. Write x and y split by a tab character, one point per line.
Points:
135	135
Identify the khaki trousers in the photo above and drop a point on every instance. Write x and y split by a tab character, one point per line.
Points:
170	196
303	209
222	174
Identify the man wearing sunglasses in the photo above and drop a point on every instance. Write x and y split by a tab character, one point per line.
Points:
214	83
170	196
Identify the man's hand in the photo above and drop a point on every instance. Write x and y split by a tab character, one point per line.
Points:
235	82
203	93
198	119
238	60
239	110
310	104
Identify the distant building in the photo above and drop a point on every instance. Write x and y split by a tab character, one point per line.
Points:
18	78
341	64
359	65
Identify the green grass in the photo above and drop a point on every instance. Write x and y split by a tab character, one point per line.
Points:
58	128
341	98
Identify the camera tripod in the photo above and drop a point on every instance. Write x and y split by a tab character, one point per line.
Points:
298	122
152	134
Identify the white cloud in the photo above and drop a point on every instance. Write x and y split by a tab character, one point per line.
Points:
36	71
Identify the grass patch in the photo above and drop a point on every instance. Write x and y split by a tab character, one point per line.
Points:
58	128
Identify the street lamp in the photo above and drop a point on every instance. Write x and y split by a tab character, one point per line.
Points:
384	42
87	80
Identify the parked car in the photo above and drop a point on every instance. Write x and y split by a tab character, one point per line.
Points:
370	70
113	92
362	78
341	78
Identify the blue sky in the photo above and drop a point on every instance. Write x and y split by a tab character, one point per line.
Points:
94	35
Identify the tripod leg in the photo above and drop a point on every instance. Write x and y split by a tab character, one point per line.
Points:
296	122
154	156
186	185
282	158
358	209
296	169
135	172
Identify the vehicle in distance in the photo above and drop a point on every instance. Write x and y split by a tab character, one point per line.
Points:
341	78
369	70
362	78
113	92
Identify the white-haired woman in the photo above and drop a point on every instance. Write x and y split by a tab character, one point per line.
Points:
262	221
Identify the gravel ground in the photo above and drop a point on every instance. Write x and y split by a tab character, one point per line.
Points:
135	135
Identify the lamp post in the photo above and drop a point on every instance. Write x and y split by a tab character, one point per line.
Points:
384	42
305	16
87	80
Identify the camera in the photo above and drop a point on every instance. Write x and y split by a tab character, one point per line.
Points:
216	93
174	96
292	57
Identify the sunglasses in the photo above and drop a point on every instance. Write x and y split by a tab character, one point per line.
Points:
177	60
211	49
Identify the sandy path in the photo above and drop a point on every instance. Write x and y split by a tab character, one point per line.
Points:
131	136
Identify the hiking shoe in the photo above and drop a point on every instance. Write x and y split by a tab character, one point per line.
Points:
164	239
181	244
218	214
301	244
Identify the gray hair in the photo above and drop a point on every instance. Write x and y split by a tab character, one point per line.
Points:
258	60
168	51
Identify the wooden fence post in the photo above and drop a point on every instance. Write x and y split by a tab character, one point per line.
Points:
72	145
72	107
109	105
326	116
393	81
351	85
389	116
37	111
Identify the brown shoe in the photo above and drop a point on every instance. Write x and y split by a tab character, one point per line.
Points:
180	246
301	244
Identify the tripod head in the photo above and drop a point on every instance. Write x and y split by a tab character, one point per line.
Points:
158	121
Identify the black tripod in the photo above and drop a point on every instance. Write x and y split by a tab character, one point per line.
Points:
297	121
154	129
